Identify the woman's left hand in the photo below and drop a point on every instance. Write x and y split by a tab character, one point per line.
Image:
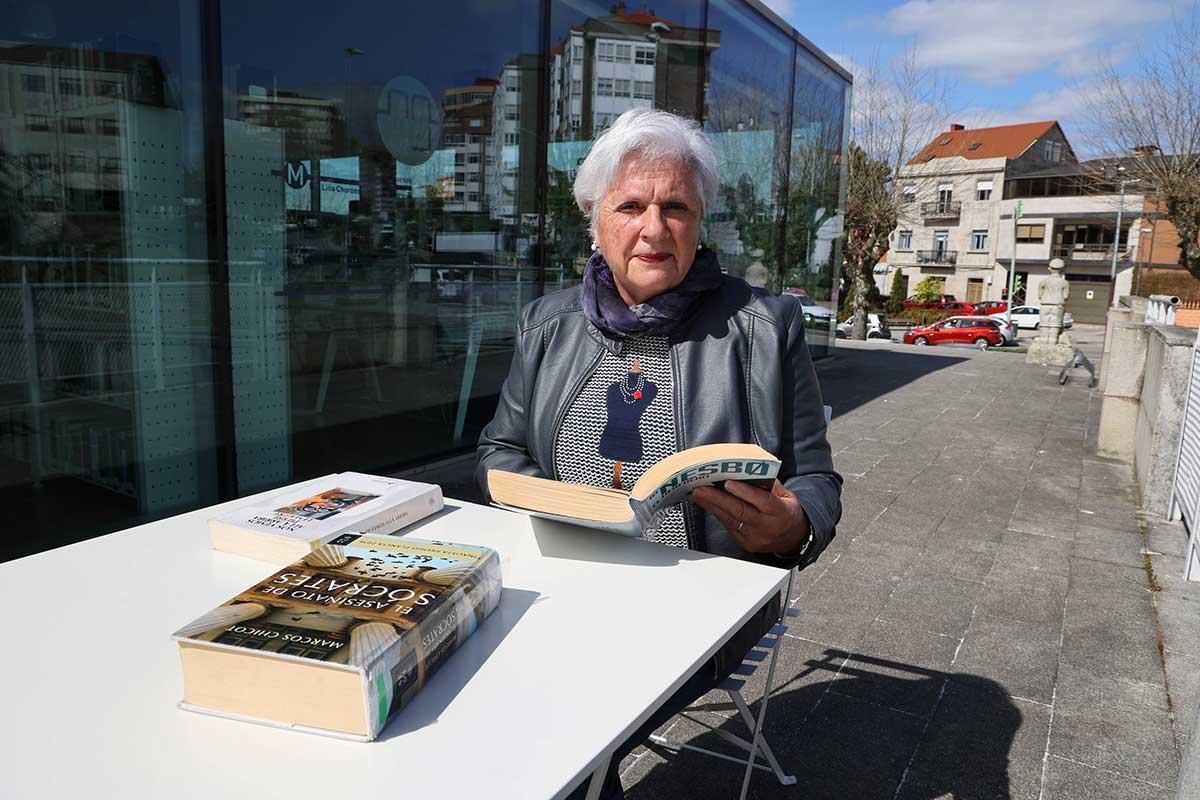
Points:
760	521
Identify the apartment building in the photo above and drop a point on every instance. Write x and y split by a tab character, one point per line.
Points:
467	118
959	224
623	60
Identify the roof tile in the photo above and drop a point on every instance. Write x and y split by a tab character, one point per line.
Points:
1003	141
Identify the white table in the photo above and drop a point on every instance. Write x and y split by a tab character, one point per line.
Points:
594	632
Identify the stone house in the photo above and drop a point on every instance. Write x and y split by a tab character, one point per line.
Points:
962	191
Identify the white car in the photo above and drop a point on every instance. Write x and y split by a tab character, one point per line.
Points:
814	313
877	327
1027	317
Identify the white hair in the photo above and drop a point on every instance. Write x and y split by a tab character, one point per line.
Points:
652	135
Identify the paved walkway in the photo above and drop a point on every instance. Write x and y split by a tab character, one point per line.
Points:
983	625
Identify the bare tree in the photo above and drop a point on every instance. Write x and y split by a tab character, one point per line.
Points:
897	111
1150	121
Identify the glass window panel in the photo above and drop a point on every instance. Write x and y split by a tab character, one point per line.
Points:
813	241
393	279
107	418
657	64
746	116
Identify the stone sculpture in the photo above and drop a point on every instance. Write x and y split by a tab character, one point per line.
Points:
1052	347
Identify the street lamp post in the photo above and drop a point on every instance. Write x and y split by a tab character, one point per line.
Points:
1112	278
1012	265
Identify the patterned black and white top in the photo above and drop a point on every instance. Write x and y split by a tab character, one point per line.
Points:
620	413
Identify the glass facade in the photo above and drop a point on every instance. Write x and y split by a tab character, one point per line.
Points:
242	245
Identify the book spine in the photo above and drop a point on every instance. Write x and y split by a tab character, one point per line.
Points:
393	518
395	680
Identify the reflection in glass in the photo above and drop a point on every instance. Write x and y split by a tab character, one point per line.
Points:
746	113
382	191
107	410
816	187
397	183
604	62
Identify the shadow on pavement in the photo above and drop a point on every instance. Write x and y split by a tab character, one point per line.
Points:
853	732
856	375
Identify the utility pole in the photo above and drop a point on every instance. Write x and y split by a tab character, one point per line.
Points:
1112	278
1012	266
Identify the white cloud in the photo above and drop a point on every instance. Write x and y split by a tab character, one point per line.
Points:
784	8
1071	106
998	41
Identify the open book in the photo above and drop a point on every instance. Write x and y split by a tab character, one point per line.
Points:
631	513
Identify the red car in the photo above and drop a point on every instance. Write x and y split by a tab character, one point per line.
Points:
989	307
958	307
941	301
963	330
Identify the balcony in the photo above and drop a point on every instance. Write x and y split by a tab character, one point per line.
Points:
1098	253
941	209
938	258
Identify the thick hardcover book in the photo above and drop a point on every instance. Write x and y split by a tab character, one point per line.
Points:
341	640
292	524
632	512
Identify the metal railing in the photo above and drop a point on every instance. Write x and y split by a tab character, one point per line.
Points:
1161	309
944	257
1087	252
941	208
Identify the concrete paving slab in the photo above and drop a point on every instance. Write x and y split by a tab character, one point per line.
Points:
1028	519
840	615
981	527
1178	614
1066	780
933	603
1118	633
980	745
1109	722
1184	690
1104	577
1023	596
958	557
904	670
1021	658
1168	538
1026	553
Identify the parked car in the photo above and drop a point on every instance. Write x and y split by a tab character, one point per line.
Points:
814	313
877	327
1027	317
958	307
1009	332
983	333
989	307
942	299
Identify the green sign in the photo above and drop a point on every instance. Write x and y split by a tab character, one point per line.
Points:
1017	215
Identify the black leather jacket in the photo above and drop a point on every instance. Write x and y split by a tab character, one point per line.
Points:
742	373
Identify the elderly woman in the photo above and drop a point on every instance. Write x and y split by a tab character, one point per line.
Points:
659	351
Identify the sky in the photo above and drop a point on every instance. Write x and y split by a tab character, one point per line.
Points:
1008	61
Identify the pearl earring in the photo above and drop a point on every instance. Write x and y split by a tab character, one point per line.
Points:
593	246
699	246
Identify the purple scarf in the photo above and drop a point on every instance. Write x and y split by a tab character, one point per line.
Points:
658	316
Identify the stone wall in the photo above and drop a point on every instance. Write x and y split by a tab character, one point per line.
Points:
1146	372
